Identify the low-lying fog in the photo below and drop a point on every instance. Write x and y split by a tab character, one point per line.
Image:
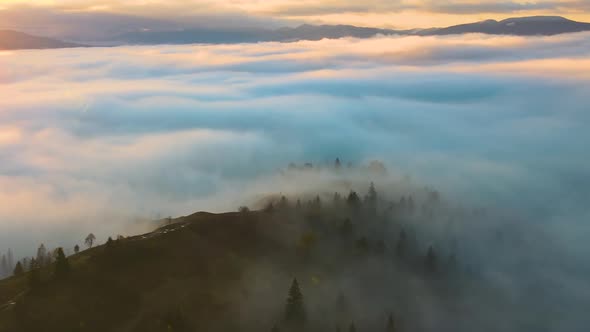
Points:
102	139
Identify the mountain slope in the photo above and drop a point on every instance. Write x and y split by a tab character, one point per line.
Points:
14	40
523	26
230	272
214	36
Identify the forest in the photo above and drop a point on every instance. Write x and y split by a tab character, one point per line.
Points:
369	259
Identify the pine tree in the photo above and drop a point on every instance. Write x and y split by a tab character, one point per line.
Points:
337	199
18	270
372	195
430	261
41	255
4	267
372	199
76	248
402	245
346	228
390	324
411	206
353	200
295	310
284	203
34	277
317	202
62	266
10	258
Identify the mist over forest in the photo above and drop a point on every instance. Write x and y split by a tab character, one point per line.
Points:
486	134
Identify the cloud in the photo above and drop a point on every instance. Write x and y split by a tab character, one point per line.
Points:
100	137
457	7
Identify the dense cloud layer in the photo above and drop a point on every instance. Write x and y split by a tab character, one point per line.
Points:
96	139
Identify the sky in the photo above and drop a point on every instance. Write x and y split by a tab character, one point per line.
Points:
94	140
380	13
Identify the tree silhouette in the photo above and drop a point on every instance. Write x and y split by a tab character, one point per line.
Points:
283	203
353	200
346	228
430	261
89	241
402	245
41	255
10	258
390	324
362	244
4	269
342	306
76	248
62	266
18	270
372	195
34	275
295	310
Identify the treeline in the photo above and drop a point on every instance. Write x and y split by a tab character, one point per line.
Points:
43	258
375	224
295	315
374	166
7	264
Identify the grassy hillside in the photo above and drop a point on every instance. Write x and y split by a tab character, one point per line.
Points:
232	272
140	283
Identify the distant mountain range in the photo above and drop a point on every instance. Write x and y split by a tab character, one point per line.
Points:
523	26
14	40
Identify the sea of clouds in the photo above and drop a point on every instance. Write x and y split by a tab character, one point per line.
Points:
100	139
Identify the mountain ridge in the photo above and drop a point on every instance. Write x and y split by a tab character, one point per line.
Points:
16	40
517	26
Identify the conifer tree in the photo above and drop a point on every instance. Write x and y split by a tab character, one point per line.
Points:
4	267
372	195
18	269
10	258
353	200
372	199
346	228
390	324
295	310
430	261
62	266
76	248
284	203
34	276
41	255
402	245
